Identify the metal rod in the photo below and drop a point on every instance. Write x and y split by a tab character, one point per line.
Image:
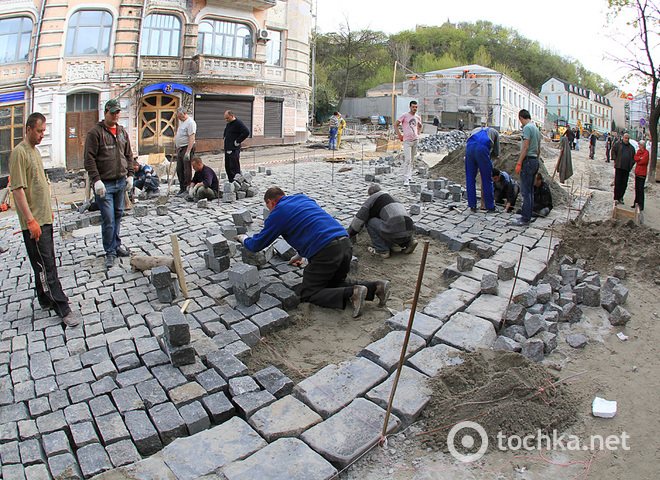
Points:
552	231
402	358
294	167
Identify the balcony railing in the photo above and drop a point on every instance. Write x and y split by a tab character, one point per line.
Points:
162	64
228	69
256	4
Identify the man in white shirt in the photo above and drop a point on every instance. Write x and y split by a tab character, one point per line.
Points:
411	127
185	148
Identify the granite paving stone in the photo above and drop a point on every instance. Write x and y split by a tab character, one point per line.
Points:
93	459
56	443
248	403
431	360
111	428
386	352
218	407
64	467
412	394
143	432
336	385
186	393
127	399
37	472
274	381
31	452
77	413
341	439
489	307
286	417
466	332
83	434
424	326
168	422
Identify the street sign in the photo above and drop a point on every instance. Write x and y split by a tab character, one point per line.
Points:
642	122
630	96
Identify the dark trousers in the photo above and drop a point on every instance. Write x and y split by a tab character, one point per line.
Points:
324	279
232	163
639	191
42	258
592	151
184	168
620	183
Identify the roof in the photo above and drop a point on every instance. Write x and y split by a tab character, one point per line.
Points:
459	70
387	87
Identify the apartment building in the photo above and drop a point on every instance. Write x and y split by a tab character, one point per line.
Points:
65	59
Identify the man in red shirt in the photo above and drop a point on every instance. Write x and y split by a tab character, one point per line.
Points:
641	164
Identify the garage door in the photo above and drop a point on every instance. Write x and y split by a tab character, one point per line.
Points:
273	117
210	111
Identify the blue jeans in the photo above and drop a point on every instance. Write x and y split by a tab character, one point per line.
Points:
477	158
530	167
111	207
332	144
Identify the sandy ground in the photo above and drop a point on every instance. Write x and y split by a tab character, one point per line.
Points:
628	372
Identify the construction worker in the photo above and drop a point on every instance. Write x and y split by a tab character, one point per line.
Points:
340	129
483	143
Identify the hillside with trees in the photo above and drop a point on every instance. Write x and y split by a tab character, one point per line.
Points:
348	62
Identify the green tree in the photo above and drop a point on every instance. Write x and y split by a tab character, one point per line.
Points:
642	42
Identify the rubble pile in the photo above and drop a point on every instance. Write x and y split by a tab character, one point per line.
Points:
440	141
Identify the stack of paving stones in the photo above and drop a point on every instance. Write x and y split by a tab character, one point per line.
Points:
219	253
176	337
167	288
442	141
79	401
241	187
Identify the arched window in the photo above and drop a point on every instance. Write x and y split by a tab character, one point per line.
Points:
88	33
161	35
224	39
15	34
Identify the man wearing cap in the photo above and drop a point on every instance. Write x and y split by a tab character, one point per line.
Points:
110	166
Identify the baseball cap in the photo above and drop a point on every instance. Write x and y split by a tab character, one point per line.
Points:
112	106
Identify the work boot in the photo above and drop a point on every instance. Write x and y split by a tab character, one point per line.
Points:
381	255
109	261
382	291
357	299
123	252
71	320
411	246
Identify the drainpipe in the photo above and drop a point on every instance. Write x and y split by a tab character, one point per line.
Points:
33	67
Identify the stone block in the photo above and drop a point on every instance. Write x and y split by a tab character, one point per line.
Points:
271	320
217	264
284	250
93	459
247	296
212	381
111	428
620	293
412	395
608	301
195	417
242	218
31	452
620	272
274	381
168	294
431	360
161	277
203	203
533	349
576	340
426	196
335	386
286	458
423	326
212	449
249	403
123	453
243	276
161	210
151	393
217	245
466	332
506	343
549	341
415	208
227	365
464	262
619	316
489	307
570	313
386	352
446	304
515	315
176	329
341	439
506	270
186	393
285	295
127	399
489	284
83	434
257	259
140	210
534	324
248	332
179	356
218	407
168	422
64	467
526	298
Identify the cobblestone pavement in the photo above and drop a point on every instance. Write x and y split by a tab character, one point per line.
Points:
77	402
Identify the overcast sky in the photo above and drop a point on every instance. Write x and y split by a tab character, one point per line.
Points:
570	28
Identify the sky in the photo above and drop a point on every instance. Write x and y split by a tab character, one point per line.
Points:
576	29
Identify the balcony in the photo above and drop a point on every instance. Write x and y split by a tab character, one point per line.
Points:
256	4
222	69
171	65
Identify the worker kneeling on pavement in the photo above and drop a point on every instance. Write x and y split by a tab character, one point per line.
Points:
204	183
387	222
505	189
145	178
324	242
542	197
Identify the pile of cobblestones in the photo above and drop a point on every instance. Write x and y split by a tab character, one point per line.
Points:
442	141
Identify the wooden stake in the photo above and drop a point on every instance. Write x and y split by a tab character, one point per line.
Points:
178	266
185	306
411	318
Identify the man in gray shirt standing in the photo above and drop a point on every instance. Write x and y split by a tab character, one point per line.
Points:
387	222
185	148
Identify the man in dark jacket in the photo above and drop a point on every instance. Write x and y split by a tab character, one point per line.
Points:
387	221
505	189
109	164
204	183
324	242
593	138
145	178
623	154
235	133
542	197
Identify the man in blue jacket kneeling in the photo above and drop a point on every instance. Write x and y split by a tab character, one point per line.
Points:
325	243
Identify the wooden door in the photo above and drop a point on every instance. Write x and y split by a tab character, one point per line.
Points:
78	124
158	123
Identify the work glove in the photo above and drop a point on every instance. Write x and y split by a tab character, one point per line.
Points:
236	144
129	184
401	137
99	188
186	157
35	229
518	168
240	238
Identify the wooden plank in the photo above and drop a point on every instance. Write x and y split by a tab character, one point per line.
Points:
178	266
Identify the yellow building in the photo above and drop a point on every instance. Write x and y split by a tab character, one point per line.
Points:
65	59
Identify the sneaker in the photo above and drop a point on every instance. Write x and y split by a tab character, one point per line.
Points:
182	193
473	209
412	245
382	255
492	210
123	252
109	261
382	291
518	223
357	299
71	320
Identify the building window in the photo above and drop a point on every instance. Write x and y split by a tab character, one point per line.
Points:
552	87
224	39
89	33
558	100
15	34
11	133
274	48
161	36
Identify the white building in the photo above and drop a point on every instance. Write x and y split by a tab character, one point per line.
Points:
493	97
577	105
